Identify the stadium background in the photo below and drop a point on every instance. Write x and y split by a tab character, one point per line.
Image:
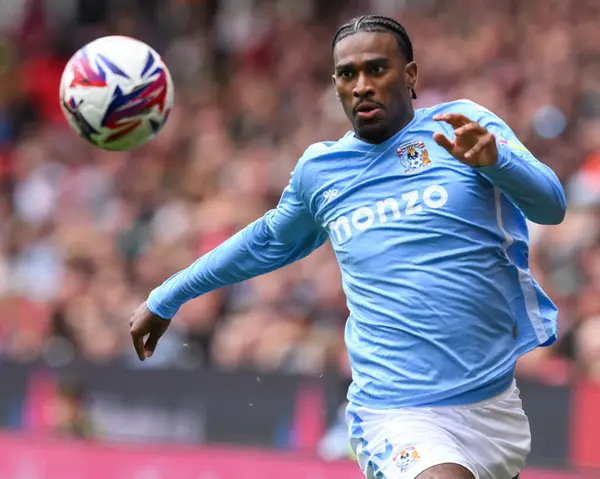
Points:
250	380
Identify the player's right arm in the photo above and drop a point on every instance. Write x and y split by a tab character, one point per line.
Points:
282	236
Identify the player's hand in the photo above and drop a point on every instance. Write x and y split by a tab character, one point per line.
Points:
145	323
473	145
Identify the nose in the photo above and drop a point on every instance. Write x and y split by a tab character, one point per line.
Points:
362	87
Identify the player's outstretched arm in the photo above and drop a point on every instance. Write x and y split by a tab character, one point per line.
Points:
284	235
485	142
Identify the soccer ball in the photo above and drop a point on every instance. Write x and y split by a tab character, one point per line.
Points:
116	92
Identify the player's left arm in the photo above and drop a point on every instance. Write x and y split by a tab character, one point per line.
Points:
486	142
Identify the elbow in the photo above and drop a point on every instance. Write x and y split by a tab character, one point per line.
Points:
560	208
554	212
551	219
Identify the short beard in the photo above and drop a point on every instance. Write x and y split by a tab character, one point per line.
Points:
376	132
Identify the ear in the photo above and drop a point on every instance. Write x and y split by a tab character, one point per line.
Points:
411	74
335	87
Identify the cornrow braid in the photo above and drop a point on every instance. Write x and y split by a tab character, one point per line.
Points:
377	23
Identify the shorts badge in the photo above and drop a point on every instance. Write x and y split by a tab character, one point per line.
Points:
406	458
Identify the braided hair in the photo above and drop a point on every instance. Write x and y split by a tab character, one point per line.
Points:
377	23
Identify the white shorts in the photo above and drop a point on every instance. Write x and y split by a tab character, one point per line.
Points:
491	438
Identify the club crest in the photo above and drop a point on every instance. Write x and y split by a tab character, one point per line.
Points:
414	156
406	458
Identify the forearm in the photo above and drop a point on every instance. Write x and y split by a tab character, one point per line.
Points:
532	186
254	251
226	264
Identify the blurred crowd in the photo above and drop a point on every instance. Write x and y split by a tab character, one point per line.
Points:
86	234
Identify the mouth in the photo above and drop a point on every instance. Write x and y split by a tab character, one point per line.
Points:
367	110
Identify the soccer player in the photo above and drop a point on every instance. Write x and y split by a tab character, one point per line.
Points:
426	211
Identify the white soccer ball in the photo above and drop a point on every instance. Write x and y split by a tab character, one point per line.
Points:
116	92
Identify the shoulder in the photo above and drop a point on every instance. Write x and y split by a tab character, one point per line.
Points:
474	111
317	149
317	161
464	106
320	150
312	153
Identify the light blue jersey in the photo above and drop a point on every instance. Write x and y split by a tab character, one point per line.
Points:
433	255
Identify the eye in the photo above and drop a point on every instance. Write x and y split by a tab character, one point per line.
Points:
377	70
346	74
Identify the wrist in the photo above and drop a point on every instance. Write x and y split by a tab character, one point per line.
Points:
501	160
158	308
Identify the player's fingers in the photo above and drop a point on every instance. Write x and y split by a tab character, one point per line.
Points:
480	145
151	343
135	315
471	127
444	142
455	119
137	336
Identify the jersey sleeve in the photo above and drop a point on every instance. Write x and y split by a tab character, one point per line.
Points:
282	236
532	186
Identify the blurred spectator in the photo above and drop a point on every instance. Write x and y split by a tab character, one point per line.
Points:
72	416
85	235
